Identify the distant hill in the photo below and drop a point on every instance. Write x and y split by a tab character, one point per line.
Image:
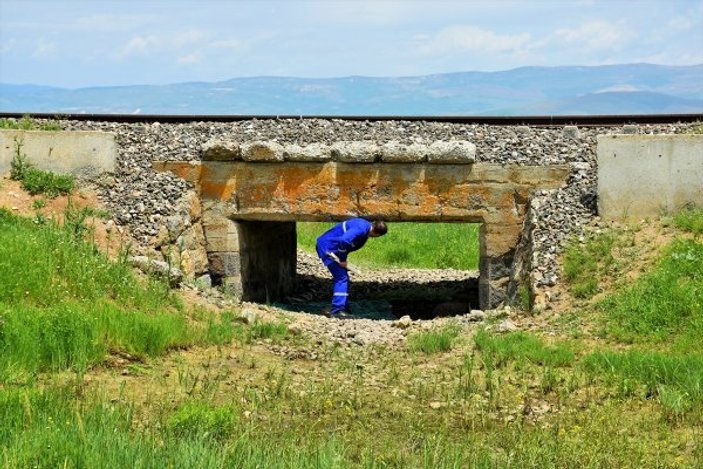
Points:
611	89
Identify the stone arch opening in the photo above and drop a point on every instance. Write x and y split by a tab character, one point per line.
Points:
387	288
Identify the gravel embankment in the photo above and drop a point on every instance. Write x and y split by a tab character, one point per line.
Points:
142	199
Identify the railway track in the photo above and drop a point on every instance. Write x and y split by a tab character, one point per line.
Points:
579	120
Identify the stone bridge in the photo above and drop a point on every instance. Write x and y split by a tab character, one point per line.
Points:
252	194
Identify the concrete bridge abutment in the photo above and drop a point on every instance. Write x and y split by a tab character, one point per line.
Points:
253	194
254	260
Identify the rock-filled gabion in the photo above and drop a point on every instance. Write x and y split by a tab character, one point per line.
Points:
143	199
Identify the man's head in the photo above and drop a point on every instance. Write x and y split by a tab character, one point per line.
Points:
378	228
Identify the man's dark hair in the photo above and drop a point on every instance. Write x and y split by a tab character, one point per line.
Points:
379	227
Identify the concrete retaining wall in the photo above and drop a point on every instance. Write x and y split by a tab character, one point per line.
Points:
648	175
82	153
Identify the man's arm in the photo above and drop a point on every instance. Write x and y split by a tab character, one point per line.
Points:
345	243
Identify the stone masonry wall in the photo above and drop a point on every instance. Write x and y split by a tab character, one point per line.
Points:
146	200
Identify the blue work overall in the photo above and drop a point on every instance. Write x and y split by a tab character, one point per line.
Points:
340	240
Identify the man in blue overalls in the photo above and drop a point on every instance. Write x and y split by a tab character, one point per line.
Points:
334	246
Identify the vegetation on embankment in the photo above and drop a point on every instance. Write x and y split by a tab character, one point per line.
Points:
612	381
410	245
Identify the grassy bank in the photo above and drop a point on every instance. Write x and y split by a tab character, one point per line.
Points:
410	245
613	382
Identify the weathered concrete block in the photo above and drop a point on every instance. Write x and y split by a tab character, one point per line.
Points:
315	152
630	129
356	152
220	233
395	152
647	175
262	151
221	150
452	152
82	153
498	239
225	264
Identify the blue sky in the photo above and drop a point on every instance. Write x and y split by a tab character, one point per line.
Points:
83	43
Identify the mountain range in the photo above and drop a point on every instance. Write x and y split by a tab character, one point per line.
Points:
572	90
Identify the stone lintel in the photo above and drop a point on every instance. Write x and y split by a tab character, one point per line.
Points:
413	191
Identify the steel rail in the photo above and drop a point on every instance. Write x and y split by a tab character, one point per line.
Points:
579	120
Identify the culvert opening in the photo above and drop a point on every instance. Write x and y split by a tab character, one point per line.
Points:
423	270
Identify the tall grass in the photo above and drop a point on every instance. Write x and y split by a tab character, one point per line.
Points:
655	370
48	429
500	349
65	305
51	428
44	264
410	245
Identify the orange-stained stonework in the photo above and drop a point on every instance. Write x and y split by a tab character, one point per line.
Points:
239	195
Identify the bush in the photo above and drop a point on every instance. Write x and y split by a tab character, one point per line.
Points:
36	181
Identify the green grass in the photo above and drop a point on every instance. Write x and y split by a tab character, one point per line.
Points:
352	407
586	263
48	429
47	264
410	245
671	374
27	123
63	305
662	314
274	331
201	420
690	219
501	349
695	128
664	304
434	341
35	181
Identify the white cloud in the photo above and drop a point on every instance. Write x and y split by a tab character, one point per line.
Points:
228	44
139	45
188	59
187	38
672	58
44	49
595	35
472	39
106	22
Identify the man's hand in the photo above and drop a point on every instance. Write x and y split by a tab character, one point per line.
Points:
344	264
